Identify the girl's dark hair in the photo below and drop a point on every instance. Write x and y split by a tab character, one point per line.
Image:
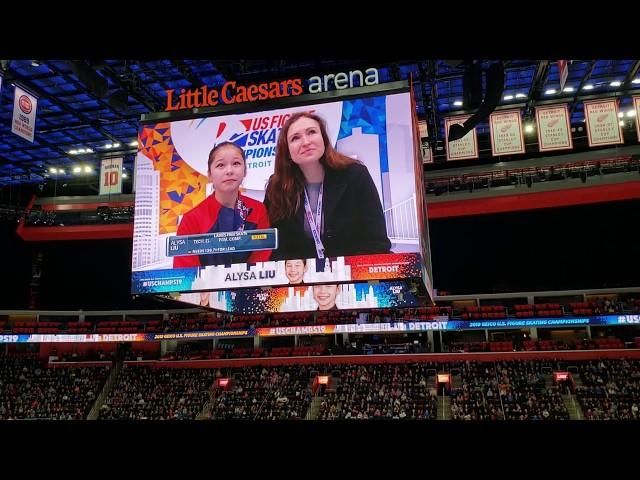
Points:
219	146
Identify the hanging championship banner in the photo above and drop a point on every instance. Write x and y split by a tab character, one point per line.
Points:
636	107
426	149
464	148
111	176
602	122
24	114
506	133
554	128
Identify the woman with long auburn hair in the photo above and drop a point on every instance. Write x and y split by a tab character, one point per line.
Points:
323	203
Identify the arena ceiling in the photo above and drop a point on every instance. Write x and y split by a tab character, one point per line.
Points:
90	109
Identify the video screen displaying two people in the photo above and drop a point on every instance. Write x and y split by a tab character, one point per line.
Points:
322	202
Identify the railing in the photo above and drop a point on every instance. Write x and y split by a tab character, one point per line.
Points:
402	226
111	379
576	408
504	415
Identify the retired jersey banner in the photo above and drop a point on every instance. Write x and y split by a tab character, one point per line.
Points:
464	148
602	122
554	128
427	157
506	133
111	176
636	106
24	114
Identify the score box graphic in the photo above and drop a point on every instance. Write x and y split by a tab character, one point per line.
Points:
222	242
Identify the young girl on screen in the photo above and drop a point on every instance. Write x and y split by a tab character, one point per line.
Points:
224	211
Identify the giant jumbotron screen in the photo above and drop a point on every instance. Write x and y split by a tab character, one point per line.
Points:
176	248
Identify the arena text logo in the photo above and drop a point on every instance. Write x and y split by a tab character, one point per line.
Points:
231	93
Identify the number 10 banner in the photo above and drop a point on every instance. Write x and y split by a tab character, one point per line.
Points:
111	176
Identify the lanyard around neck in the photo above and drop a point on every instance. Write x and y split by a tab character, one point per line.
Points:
315	224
